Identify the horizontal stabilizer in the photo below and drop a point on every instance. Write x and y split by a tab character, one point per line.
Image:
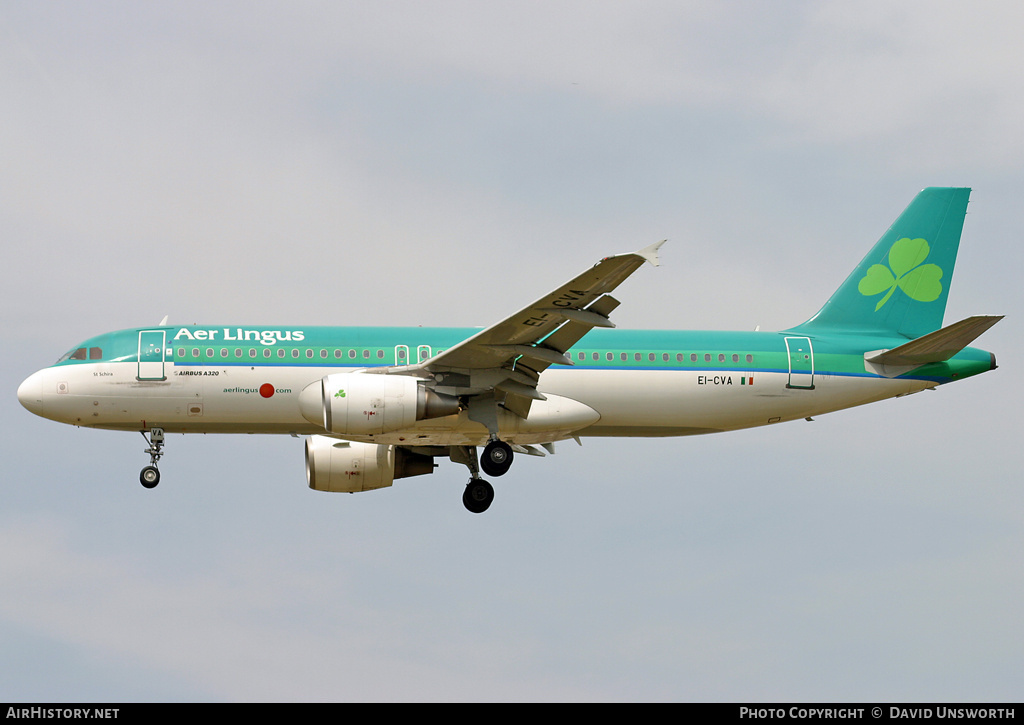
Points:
936	346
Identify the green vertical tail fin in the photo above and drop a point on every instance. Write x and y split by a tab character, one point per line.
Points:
902	284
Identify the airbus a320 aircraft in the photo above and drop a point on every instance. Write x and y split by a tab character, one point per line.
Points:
381	404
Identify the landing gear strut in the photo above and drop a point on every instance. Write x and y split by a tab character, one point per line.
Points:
497	456
478	494
150	475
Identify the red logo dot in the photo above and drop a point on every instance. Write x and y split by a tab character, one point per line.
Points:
266	390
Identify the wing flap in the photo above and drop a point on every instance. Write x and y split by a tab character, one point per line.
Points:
572	332
517	404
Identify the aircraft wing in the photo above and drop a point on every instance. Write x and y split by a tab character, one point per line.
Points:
508	357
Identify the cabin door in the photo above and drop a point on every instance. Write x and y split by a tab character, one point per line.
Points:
151	354
801	363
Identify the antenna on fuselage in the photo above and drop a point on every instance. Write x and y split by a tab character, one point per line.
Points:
163	321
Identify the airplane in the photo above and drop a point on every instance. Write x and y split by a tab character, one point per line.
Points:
381	404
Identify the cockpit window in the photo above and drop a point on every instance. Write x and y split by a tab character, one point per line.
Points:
83	353
77	354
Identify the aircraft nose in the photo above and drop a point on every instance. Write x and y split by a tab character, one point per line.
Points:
30	393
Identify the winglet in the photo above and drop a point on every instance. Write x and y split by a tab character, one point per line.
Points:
651	253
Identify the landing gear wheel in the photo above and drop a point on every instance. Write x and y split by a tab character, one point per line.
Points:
478	496
496	458
150	476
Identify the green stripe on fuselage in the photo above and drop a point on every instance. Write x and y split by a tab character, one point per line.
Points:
840	354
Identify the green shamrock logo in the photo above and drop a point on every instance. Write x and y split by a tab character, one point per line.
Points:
340	394
906	270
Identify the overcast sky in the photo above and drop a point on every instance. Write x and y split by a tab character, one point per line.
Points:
446	163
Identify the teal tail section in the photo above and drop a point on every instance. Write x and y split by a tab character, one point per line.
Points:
902	284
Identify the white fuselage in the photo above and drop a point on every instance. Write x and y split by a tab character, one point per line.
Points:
243	399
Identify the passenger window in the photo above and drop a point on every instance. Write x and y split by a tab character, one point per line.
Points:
610	356
351	354
380	354
266	352
309	353
597	356
223	352
238	352
252	352
637	356
181	352
750	358
323	354
366	354
707	357
337	354
209	352
693	357
195	352
680	357
280	352
650	357
735	358
295	352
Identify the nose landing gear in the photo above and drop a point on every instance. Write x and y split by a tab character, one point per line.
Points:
150	475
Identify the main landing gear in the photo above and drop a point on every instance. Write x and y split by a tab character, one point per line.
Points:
497	458
150	475
479	493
